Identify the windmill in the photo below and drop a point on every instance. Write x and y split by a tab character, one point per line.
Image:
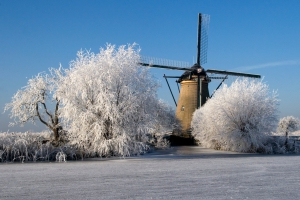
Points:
194	81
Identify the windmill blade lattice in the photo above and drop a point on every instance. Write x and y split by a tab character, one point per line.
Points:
203	27
165	63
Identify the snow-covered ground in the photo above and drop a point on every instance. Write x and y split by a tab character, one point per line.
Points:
179	173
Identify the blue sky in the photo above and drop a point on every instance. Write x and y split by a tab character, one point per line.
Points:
253	36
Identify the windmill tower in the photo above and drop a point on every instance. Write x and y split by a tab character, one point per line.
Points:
194	81
194	84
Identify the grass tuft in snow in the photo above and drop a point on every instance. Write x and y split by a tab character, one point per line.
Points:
24	147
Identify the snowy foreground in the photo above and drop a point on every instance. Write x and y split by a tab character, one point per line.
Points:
179	173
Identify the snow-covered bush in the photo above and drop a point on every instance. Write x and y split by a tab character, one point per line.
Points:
23	147
109	102
37	101
237	118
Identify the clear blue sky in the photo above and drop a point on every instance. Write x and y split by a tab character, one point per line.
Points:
253	36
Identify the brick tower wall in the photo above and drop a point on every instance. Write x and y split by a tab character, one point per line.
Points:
187	102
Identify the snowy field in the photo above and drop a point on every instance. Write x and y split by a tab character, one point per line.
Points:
179	173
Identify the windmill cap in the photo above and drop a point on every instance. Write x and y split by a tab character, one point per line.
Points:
196	69
196	65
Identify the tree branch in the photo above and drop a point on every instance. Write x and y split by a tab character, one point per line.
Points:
40	118
56	113
46	110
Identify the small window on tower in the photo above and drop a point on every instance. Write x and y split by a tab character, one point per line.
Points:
182	108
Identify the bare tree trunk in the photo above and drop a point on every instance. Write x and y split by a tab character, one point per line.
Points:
56	134
53	125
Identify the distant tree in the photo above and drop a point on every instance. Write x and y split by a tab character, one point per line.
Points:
37	101
109	102
237	117
288	124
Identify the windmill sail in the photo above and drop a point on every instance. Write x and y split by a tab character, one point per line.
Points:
202	44
213	71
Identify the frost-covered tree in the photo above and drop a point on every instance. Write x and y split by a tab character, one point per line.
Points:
288	124
237	117
37	101
109	102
